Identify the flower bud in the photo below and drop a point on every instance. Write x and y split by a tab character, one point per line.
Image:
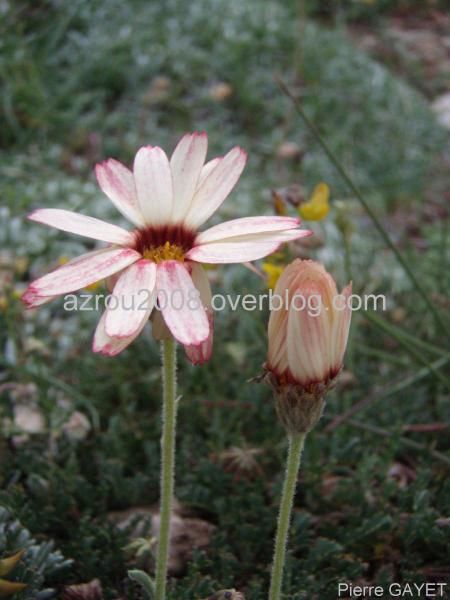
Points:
307	341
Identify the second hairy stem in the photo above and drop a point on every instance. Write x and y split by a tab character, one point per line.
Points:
296	442
169	418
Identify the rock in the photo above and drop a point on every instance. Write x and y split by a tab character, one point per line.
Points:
288	151
188	533
84	591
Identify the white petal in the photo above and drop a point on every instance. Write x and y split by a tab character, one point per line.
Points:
186	165
179	302
154	185
117	182
132	300
82	225
243	248
216	187
110	346
246	226
83	271
231	253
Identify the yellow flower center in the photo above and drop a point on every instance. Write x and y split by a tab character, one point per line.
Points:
166	251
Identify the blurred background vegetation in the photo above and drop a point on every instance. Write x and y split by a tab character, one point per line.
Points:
79	435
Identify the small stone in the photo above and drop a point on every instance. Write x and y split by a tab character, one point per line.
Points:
77	427
441	107
29	419
84	591
288	151
188	533
220	91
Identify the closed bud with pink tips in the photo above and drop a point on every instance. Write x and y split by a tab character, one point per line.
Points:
307	341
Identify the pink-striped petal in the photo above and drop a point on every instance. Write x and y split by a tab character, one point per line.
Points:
227	253
243	248
111	346
269	236
117	182
186	165
216	187
309	335
72	222
342	314
277	358
83	271
200	354
246	226
132	300
32	300
179	303
154	185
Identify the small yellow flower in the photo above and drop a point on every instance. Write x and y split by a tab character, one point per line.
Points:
318	205
209	267
94	286
21	265
62	260
273	272
3	304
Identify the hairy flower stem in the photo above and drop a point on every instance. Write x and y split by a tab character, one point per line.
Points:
169	418
296	442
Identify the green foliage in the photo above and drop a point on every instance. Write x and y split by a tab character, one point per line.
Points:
40	562
63	75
